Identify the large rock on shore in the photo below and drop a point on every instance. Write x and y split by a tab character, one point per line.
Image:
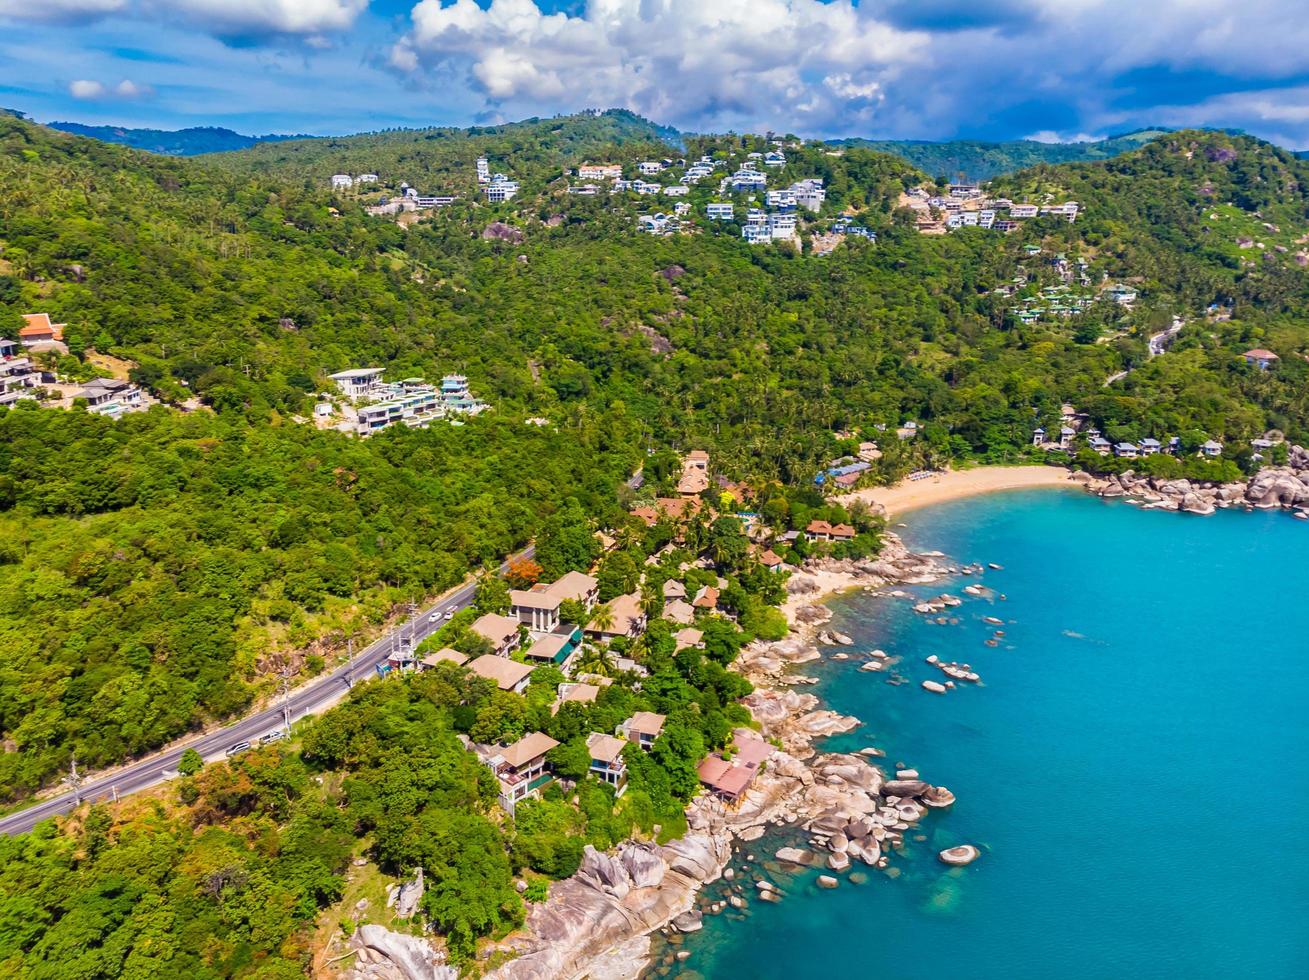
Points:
384	955
1277	487
612	898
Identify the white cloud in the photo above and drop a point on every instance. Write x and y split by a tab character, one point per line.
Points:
694	62
89	89
300	17
59	9
85	88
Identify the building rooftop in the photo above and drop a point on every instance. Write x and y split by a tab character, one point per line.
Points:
574	586
506	673
527	748
605	748
548	647
534	600
445	655
646	723
581	693
495	628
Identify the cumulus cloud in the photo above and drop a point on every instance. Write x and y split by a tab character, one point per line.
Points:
85	88
927	68
690	61
90	89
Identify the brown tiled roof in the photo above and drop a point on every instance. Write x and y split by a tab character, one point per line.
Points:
505	672
646	723
445	655
527	748
497	629
533	600
605	748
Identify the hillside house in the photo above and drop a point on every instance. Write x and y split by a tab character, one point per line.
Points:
18	379
607	760
508	675
538	611
39	330
359	383
501	190
600	171
627	619
720	211
642	729
1211	449
342	182
521	769
499	631
730	780
111	397
1260	358
443	656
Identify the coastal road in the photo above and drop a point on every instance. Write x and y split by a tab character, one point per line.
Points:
315	696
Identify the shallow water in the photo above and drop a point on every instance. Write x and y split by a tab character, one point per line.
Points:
1134	765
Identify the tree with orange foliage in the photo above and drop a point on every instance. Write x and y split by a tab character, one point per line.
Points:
523	573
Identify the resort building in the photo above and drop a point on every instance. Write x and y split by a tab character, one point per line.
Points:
508	675
538	611
342	182
576	693
1212	449
1260	358
642	729
411	403
556	649
607	763
689	639
18	380
483	170
111	397
720	211
39	331
626	618
600	171
500	189
443	656
521	769
823	531
730	780
575	587
500	631
359	383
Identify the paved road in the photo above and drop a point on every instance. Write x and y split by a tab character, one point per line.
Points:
308	699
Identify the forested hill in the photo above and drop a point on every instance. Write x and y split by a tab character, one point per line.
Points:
159	571
174	142
979	160
534	146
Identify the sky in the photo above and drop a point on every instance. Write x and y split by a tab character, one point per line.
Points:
911	69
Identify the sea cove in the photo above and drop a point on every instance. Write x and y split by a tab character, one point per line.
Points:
1133	764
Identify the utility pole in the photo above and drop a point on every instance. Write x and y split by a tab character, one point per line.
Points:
75	781
286	700
350	661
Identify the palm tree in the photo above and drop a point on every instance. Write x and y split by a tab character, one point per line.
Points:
602	619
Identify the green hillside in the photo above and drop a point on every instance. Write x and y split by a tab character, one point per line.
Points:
166	569
173	142
979	160
241	280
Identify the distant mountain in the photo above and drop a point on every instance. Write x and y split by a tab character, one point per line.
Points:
178	143
981	161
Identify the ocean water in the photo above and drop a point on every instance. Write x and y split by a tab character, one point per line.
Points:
1134	765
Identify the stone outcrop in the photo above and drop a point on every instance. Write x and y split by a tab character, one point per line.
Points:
384	955
612	898
1272	487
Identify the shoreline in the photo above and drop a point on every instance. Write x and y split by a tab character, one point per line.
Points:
603	922
951	485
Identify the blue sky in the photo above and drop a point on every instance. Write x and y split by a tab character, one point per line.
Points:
920	69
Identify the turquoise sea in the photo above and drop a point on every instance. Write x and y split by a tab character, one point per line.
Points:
1135	764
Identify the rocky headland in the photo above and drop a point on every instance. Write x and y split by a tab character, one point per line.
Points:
1273	487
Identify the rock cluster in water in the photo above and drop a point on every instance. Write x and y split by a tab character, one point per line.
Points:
1273	487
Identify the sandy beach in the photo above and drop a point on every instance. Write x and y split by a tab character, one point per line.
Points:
956	484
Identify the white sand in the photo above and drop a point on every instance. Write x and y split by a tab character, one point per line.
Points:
956	484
